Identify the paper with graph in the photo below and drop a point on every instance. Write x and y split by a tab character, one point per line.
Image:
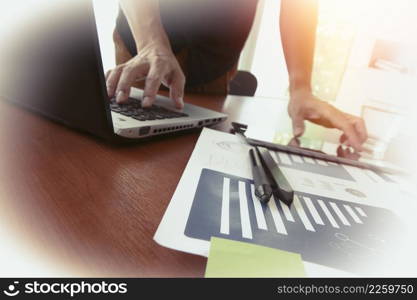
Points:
339	218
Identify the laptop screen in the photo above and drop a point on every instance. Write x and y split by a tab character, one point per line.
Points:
51	64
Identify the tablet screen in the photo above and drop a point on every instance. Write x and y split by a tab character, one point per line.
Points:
322	143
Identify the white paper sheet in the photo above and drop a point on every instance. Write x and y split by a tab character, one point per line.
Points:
224	152
214	150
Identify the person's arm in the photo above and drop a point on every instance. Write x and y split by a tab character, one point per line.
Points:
154	62
298	22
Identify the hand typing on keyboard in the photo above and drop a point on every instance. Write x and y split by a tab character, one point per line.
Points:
133	108
154	64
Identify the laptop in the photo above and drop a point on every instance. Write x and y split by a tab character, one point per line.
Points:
51	64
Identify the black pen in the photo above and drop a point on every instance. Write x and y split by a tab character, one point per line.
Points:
280	184
263	190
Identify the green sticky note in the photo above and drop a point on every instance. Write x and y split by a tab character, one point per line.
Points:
228	258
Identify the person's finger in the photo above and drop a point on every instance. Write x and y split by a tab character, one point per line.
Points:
360	128
107	74
126	80
352	137
152	85
343	138
344	123
112	80
176	89
298	125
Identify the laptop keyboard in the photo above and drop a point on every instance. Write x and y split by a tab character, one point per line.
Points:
133	108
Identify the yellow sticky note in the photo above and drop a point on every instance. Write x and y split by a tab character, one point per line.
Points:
228	258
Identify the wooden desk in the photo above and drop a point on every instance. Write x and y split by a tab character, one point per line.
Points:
90	208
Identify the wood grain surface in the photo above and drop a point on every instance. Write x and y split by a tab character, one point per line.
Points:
92	208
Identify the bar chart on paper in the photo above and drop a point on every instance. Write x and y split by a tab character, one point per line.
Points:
326	231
